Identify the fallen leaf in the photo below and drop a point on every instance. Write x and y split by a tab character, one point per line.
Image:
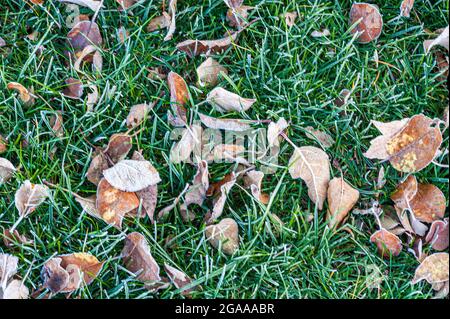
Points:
29	196
138	113
196	47
179	96
7	170
343	98
208	72
11	288
438	235
95	171
122	34
341	199
126	4
274	130
387	243
92	98
89	205
15	290
11	238
321	33
113	204
131	175
442	289
83	34
159	22
56	122
172	24
234	3
405	192
253	180
214	188
196	192
442	40
3	145
236	125
312	165
119	146
443	66
55	277
163	213
371	24
434	269
406	7
219	202
226	101
445	118
179	279
91	4
2	42
190	141
230	153
324	139
26	96
138	259
237	17
290	18
224	235
85	55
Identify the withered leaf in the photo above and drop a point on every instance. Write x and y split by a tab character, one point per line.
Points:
29	196
434	269
406	7
94	5
341	199
26	95
172	24
10	238
371	24
219	202
324	139
236	125
208	47
126	4
214	188
3	144
112	204
55	278
2	42
208	72
9	287
56	122
7	170
234	3
438	235
312	165
179	96
15	290
96	168
84	33
230	153
320	33
253	180
179	279
89	205
138	113
119	146
226	101
290	18
387	243
274	130
131	175
196	192
190	140
138	259
73	89
159	22
441	40
237	17
92	98
224	235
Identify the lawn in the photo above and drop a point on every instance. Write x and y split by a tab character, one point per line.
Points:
290	73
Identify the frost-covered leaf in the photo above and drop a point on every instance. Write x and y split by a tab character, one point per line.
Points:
208	72
179	96
26	95
73	88
226	101
341	199
442	40
224	235
253	180
371	24
433	269
219	202
83	34
119	146
208	47
236	125
94	5
406	7
138	113
7	170
324	139
196	192
387	243
29	196
190	141
179	279
274	130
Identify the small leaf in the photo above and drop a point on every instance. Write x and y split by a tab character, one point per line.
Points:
274	130
341	199
371	24
324	139
226	101
172	24
179	279
196	192
219	202
190	141
321	33
73	89
94	5
7	170
208	72
138	113
131	175
237	17
96	168
179	96
29	196
159	22
26	96
11	238
253	180
406	7
208	47
119	146
290	18
224	236
387	243
434	269
441	40
83	34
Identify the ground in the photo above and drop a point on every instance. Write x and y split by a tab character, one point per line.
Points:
290	73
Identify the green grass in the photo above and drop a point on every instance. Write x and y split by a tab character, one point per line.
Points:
291	74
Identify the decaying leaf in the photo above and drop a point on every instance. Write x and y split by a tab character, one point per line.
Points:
3	145
190	141
67	273
159	22
312	165
234	3
138	259
11	288
438	235
230	153
442	289
219	202
163	213
73	89
343	98
196	192
196	47
237	17
126	4
208	72
426	201
11	238
341	199
112	204
236	125
179	279
224	235
131	175
56	122
179	96
274	130
434	269
290	18
119	146
253	180
89	205
226	101
7	170
92	98
410	144
26	95
96	168
83	34
324	139
406	7
371	21
94	5
138	113
441	40
320	33
387	243
172	24
29	196
214	188
86	55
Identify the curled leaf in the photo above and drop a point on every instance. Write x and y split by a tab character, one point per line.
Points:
96	168
159	22
83	34
7	170
237	17
370	22
290	18
387	243
226	101
219	202
341	199
179	96
196	192
438	235
253	180
179	279
441	40
29	196
190	140
73	89
321	33
274	130
26	96
10	238
172	25
224	235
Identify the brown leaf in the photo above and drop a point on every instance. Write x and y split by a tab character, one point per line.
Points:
126	4
10	288
441	40
312	165
26	95
122	34
324	139
10	239
84	33
387	243
208	47
94	5
3	145
219	202
341	199
234	3
371	23
208	72
92	98
2	42
88	265
89	205
138	259
196	192
405	192
406	7
434	269
237	17
55	277
214	188
138	113
236	125
159	22
224	236
190	141
73	89
343	98
179	279
179	96
29	196
438	235
253	180
163	213
119	146
172	24
96	168
290	18
230	153
7	170
113	204
226	101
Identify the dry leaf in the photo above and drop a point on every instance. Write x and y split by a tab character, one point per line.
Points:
138	113
343	98
274	130
11	238
442	289
190	140
208	47
7	170
119	146
230	153
224	236
83	34
113	204
15	290
92	98
237	17
236	125
438	235
226	101
89	205
3	145
159	22
126	4
179	96
441	40
321	33
131	175
163	213
311	164
138	259
232	4
179	279
219	202
172	25
29	196
406	7
56	122
96	168
341	199
26	96
208	72
2	42
434	269
196	192
94	5
214	188
122	34
253	180
324	139
11	288
371	24
387	243
85	55
290	18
